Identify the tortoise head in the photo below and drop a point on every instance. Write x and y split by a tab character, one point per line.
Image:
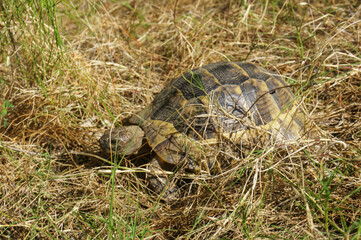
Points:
125	140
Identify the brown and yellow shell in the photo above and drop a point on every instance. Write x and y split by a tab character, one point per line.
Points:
230	100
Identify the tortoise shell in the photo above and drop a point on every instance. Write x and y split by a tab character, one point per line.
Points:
226	100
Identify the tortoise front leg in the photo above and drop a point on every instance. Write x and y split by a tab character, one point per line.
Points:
161	183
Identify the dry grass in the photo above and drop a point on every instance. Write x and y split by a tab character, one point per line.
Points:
68	71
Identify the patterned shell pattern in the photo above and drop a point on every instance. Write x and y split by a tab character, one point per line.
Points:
225	100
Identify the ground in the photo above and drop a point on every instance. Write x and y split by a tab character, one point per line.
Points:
71	69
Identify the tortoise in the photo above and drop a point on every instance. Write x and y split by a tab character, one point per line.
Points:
232	101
